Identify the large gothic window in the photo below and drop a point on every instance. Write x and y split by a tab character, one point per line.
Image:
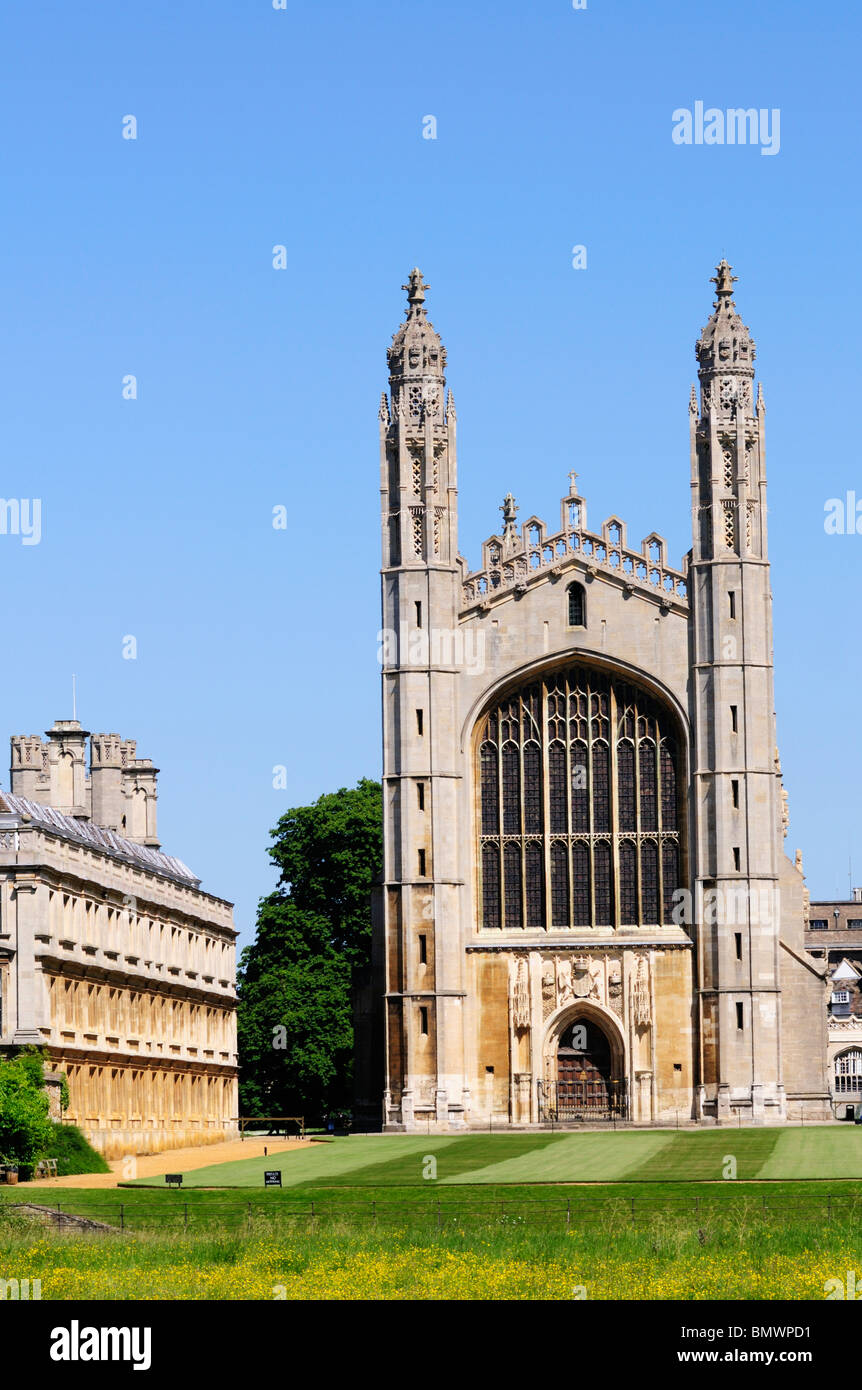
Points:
580	820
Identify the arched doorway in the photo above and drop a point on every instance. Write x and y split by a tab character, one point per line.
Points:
590	1080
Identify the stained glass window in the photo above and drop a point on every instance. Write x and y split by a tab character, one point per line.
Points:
582	912
670	877
532	788
603	887
601	788
626	783
557	786
577	606
535	884
512	886
593	747
490	886
628	884
490	791
649	882
668	785
580	787
559	885
511	790
647	780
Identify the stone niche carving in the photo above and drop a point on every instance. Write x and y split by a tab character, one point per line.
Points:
521	995
640	995
549	988
615	986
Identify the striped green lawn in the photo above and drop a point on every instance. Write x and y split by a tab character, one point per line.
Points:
393	1161
595	1157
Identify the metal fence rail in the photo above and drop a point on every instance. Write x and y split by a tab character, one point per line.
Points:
564	1214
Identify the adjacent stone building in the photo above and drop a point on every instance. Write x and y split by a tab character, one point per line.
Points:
586	910
111	955
834	936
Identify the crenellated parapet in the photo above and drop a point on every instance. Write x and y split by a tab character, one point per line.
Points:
520	557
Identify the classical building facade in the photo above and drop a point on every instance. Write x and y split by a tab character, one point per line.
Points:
111	956
834	936
586	908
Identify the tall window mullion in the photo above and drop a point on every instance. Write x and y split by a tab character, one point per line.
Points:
544	746
613	793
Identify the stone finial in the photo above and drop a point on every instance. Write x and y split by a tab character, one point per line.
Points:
415	288
383	412
692	402
451	413
573	483
761	404
509	509
723	280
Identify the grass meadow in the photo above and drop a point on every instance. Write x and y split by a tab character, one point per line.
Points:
634	1215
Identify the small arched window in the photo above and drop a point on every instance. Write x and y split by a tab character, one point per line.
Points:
577	605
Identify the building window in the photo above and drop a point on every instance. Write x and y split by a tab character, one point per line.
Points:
734	722
840	1003
818	924
848	1070
854	923
423	949
580	814
740	1021
423	1021
577	600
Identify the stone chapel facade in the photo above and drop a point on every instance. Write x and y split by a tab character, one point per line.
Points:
586	908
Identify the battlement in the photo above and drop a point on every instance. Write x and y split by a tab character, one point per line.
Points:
119	791
511	560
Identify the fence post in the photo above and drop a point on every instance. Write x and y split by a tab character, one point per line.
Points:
248	1219
829	1206
438	1215
568	1212
122	1216
185	1216
312	1218
374	1212
633	1211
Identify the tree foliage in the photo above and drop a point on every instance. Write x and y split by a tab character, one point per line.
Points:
294	1024
25	1130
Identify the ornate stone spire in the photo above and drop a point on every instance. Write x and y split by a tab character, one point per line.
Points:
725	352
417	359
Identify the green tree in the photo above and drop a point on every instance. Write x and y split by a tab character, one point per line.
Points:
25	1130
294	1022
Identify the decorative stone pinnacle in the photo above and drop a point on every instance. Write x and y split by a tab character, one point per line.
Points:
573	479
724	281
415	288
509	510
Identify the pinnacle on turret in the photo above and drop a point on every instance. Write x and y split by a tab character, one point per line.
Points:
725	347
415	288
724	282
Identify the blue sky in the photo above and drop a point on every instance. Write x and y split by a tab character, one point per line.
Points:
259	387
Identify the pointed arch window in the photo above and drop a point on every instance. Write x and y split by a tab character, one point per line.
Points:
580	806
576	596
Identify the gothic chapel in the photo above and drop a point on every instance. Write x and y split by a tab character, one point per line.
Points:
586	909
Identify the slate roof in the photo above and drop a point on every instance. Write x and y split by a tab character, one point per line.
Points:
99	838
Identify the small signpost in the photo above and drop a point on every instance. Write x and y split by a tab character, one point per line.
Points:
272	1178
174	1179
